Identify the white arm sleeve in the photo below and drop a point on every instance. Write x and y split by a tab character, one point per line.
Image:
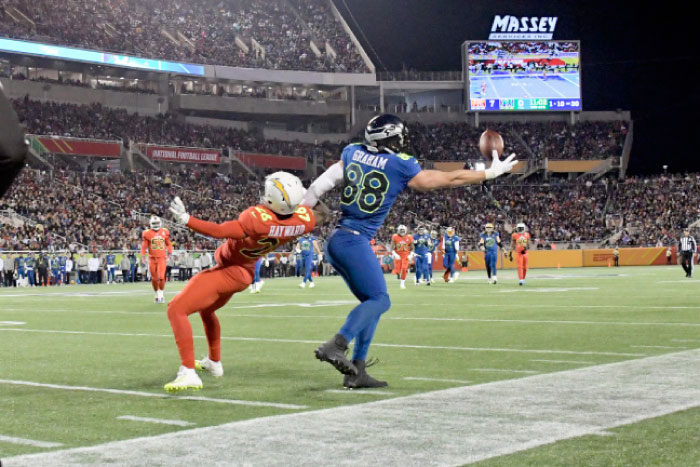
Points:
326	182
457	245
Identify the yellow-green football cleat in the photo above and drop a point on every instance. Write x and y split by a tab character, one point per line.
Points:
186	378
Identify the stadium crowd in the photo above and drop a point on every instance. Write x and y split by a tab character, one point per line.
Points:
446	141
277	34
107	211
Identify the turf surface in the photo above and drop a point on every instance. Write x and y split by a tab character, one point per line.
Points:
113	337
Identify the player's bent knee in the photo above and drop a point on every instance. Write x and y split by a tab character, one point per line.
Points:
383	302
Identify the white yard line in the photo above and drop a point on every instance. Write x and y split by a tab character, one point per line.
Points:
151	394
504	370
376	344
565	361
657	347
161	421
12	323
437	380
521	86
468	320
29	442
441	428
375	392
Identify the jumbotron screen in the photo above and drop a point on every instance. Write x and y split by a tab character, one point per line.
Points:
523	75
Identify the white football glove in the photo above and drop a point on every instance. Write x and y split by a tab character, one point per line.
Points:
410	257
177	207
499	167
395	255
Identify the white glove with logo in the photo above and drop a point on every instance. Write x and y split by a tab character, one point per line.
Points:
177	208
499	167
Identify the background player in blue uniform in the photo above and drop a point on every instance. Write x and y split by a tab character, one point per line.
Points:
422	243
308	246
111	267
63	279
29	264
373	174
435	241
489	243
450	248
298	265
20	267
257	284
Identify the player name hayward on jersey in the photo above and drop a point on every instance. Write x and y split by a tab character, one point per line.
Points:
376	161
282	231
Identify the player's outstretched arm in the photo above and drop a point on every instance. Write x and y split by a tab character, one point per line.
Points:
231	229
324	183
427	180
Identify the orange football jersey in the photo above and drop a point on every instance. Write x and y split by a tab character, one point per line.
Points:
262	230
156	242
402	245
522	240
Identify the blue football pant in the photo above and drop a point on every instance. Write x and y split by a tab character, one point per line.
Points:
422	265
490	260
256	275
448	261
308	267
352	256
297	268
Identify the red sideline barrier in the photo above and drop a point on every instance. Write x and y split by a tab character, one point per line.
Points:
80	147
181	154
269	161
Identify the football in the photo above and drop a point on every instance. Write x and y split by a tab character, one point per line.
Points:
489	141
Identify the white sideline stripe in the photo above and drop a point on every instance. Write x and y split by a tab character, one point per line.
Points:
483	421
439	380
161	421
29	442
376	344
656	347
469	320
504	370
565	361
151	394
12	323
360	391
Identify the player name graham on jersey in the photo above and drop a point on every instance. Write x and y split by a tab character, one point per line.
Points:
369	159
282	231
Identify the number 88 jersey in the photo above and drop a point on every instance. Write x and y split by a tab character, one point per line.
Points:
371	183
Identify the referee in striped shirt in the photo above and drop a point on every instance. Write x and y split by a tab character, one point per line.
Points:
688	247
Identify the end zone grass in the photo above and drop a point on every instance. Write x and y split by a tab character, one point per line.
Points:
469	332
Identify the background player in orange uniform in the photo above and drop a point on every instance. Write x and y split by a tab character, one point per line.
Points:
156	241
402	251
520	242
259	230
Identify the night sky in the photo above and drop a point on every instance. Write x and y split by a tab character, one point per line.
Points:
633	58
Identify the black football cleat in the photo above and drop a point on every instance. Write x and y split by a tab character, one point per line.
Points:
362	379
333	352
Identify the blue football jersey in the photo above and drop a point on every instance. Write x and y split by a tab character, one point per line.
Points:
307	245
434	245
110	259
372	181
490	241
450	243
421	243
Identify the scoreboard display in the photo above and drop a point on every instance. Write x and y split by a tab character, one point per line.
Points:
522	75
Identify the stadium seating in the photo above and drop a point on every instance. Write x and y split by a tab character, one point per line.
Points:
101	208
277	35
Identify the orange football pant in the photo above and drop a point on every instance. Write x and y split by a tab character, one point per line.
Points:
402	266
205	293
157	268
522	265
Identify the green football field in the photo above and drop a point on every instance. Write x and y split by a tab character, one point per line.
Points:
594	366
